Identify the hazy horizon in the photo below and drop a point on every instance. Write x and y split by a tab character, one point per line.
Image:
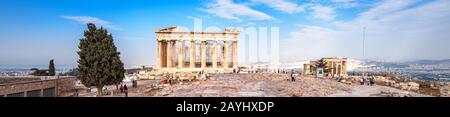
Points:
69	66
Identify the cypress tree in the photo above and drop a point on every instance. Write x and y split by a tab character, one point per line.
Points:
51	68
99	63
322	64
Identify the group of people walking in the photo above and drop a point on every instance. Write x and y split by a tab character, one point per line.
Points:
124	89
366	81
292	76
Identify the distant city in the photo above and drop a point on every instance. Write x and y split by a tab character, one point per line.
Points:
25	70
437	70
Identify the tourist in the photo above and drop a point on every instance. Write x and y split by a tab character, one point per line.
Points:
121	88
135	83
165	81
76	93
170	80
105	91
364	81
371	81
125	89
132	83
204	76
361	80
367	81
292	77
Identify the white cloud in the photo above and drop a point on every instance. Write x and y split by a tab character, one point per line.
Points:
190	17
395	31
229	10
282	5
387	7
89	19
309	42
323	12
343	1
346	3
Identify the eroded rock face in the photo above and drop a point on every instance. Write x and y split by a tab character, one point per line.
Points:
392	94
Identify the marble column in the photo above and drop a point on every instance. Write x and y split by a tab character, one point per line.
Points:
158	55
333	67
225	54
203	54
192	55
180	53
214	54
164	54
344	67
234	54
169	54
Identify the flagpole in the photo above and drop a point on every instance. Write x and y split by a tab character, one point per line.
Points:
364	54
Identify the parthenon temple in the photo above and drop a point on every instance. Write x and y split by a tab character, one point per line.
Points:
185	51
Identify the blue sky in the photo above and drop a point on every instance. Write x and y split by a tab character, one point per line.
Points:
32	32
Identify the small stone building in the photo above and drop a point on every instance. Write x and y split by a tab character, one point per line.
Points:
335	66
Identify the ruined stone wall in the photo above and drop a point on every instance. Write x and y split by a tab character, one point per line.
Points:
424	86
66	86
4	80
61	84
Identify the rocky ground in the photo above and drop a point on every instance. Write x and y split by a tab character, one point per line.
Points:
251	85
258	85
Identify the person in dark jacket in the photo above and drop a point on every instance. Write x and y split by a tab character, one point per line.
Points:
292	77
121	88
125	89
371	81
361	80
